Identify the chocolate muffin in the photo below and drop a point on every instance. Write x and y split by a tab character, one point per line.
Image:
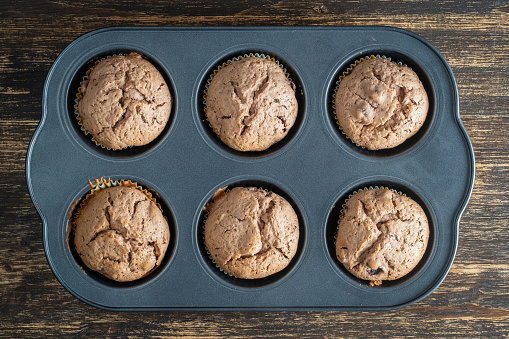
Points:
251	104
124	102
121	233
382	235
251	233
380	104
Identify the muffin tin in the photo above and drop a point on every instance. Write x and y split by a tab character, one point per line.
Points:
315	168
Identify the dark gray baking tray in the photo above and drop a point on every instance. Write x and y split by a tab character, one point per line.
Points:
315	167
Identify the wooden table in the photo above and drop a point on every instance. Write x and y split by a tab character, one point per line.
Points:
473	301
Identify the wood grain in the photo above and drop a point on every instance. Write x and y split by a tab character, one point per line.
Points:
473	301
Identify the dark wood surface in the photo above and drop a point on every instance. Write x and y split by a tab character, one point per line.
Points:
473	301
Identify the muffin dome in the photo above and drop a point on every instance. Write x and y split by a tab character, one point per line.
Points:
382	235
380	104
124	102
251	233
121	233
251	104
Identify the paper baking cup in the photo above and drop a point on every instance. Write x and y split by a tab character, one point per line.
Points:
343	75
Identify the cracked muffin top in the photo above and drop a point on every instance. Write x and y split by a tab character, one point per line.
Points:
380	104
251	104
251	233
382	235
124	102
121	233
